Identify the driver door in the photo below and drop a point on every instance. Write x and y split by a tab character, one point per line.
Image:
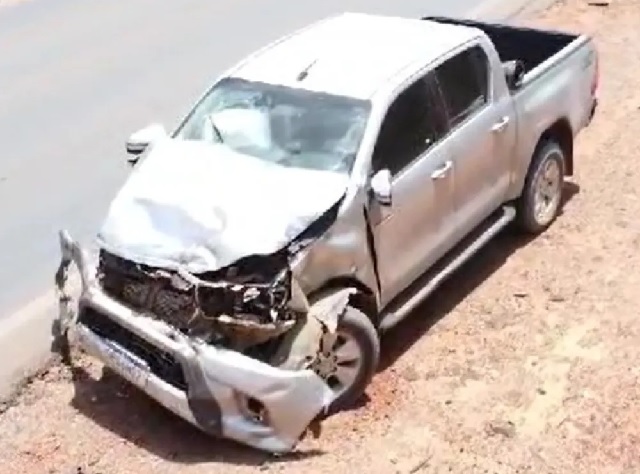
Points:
411	231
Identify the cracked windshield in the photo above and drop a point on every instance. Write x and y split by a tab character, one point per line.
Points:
282	125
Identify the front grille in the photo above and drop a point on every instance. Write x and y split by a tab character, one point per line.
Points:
171	306
194	309
127	283
161	363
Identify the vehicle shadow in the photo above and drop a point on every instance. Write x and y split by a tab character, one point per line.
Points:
401	338
131	415
408	332
120	408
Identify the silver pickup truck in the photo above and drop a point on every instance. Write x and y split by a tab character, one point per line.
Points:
309	200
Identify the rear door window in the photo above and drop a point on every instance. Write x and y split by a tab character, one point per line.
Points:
464	83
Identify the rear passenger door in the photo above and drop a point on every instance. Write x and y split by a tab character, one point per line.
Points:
481	134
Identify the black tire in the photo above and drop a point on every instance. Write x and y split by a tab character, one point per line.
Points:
526	219
360	327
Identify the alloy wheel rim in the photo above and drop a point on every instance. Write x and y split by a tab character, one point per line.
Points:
339	362
547	192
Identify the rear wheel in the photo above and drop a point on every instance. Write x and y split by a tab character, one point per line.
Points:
541	198
349	358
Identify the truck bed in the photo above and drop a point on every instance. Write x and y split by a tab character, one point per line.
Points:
558	93
529	45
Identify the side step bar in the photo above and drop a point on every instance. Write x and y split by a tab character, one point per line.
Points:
433	278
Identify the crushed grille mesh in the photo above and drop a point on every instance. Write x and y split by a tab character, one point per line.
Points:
149	290
166	304
173	306
135	293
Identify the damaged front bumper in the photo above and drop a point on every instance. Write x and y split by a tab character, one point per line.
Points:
218	390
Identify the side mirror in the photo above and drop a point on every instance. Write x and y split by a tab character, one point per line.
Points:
140	140
514	72
381	187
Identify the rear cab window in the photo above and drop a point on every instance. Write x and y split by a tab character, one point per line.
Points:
464	82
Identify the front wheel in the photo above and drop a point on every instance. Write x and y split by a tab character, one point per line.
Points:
541	198
349	358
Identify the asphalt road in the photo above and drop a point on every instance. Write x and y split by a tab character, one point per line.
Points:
76	77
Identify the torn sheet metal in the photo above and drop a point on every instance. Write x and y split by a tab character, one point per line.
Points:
203	206
304	342
219	381
244	305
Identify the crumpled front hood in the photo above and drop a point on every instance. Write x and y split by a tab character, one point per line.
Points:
202	207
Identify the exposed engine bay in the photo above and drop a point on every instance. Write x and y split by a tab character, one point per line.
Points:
243	307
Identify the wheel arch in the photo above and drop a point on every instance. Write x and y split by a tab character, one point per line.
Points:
561	133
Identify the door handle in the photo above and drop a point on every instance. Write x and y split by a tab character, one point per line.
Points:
442	171
501	125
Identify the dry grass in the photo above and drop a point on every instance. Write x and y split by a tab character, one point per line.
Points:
527	361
